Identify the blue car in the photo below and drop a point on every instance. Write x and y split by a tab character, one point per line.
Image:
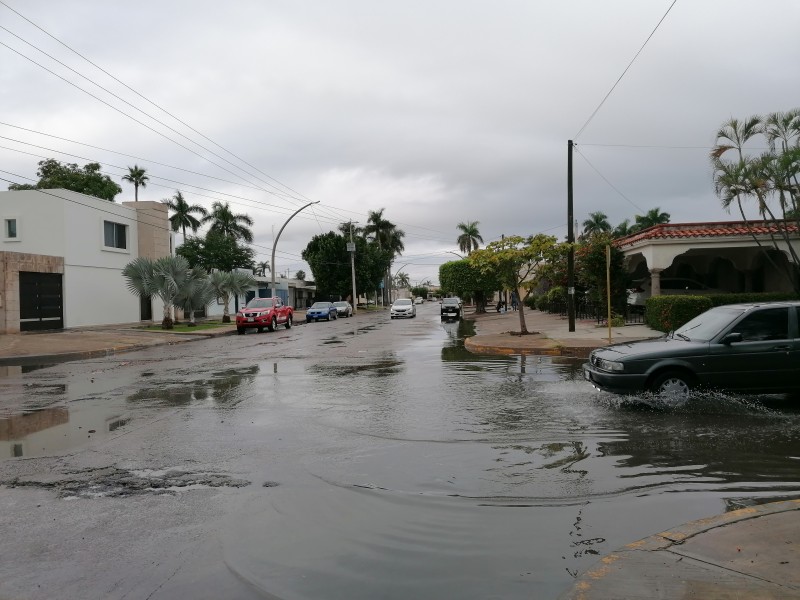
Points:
321	310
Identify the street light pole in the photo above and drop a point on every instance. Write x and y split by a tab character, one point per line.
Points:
275	243
352	249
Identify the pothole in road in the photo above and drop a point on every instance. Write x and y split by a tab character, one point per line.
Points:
116	482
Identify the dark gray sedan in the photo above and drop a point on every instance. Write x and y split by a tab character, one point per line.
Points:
739	347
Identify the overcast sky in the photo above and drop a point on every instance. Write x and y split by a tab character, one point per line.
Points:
438	111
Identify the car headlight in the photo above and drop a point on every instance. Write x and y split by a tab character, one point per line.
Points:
610	365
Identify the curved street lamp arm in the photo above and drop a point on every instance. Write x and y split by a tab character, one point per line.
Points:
275	243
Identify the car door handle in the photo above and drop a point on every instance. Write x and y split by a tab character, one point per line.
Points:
784	347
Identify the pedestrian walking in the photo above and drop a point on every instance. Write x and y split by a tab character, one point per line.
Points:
514	301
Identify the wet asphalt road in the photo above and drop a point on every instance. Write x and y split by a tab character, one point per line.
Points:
361	458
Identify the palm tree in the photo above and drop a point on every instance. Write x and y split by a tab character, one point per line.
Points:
387	236
654	216
196	293
262	268
223	221
183	214
164	277
230	284
470	236
623	229
137	177
596	223
401	280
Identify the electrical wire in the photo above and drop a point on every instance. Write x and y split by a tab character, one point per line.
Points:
603	177
616	83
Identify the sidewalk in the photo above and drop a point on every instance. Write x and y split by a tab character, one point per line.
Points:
498	333
750	553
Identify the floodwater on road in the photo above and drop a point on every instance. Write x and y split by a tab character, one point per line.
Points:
384	460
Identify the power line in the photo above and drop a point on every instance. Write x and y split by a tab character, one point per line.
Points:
623	73
603	177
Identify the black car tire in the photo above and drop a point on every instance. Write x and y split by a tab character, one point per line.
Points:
260	330
288	323
672	383
273	325
240	330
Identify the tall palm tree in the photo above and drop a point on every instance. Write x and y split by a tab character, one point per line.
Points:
223	221
137	177
654	216
388	238
470	236
402	280
183	214
596	223
230	284
262	268
623	229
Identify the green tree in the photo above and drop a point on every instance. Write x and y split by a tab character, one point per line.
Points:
464	278
301	275
654	216
183	214
262	268
164	277
401	280
387	237
596	223
85	180
216	251
623	229
590	271
227	284
514	261
195	294
470	237
329	260
420	291
137	176
225	222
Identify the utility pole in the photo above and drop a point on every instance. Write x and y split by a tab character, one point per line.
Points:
505	292
571	241
351	247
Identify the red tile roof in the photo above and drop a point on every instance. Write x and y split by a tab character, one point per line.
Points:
707	230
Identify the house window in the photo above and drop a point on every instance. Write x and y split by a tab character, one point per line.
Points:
10	230
115	235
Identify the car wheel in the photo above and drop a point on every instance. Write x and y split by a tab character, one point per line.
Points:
273	325
288	323
240	330
672	384
260	330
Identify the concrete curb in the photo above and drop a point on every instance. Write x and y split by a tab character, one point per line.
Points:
618	569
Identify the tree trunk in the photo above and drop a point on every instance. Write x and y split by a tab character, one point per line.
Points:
167	323
523	328
226	313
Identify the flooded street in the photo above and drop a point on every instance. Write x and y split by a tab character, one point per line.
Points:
362	458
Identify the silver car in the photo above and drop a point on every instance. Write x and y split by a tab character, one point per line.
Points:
343	308
403	307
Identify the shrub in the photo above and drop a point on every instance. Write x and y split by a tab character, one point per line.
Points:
665	313
556	294
531	301
745	297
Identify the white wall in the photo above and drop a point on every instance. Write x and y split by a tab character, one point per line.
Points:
40	221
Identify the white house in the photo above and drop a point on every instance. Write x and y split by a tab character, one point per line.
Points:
62	255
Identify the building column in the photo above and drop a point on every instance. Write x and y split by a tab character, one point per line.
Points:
655	282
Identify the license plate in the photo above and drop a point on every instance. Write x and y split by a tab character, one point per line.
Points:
250	319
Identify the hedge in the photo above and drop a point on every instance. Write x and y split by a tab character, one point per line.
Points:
665	313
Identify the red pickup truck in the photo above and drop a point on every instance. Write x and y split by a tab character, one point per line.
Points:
264	313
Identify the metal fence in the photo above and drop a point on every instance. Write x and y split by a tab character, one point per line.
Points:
632	315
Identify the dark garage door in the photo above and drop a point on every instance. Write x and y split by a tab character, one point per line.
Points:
40	301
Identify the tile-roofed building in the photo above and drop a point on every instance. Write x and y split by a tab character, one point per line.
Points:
723	256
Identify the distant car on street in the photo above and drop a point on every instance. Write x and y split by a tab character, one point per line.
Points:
403	307
321	310
264	313
737	347
418	300
343	308
450	308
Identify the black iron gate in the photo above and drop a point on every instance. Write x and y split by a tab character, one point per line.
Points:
40	301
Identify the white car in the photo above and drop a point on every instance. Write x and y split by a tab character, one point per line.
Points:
403	307
343	309
418	300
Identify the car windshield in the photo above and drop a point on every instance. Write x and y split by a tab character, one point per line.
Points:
320	305
402	302
705	326
340	304
450	301
260	303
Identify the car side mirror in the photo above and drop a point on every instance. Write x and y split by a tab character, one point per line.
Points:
732	338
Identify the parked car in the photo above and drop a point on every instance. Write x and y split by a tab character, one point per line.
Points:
670	286
418	300
451	308
403	307
261	313
321	310
343	309
737	347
